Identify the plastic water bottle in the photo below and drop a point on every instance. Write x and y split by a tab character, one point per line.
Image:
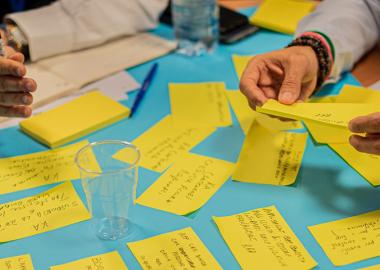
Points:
196	25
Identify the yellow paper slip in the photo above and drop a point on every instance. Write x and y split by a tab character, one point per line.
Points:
201	104
22	262
162	144
74	119
351	239
246	115
336	114
180	250
187	185
374	267
357	94
282	15
38	169
261	239
53	209
270	157
365	164
240	63
323	133
106	261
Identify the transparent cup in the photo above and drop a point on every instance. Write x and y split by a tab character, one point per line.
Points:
196	25
109	186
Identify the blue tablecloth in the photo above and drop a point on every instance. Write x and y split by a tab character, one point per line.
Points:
326	188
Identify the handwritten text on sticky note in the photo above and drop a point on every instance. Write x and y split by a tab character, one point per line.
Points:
187	185
22	262
180	250
261	239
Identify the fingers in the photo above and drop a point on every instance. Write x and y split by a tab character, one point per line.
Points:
249	86
12	68
370	145
14	99
15	111
365	124
15	84
290	90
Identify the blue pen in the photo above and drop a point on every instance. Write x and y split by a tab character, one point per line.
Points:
144	88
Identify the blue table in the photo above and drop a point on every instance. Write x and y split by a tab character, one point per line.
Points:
326	188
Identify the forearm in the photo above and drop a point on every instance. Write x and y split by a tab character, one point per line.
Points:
69	25
351	25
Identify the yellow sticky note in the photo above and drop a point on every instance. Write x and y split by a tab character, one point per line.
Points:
261	239
351	239
106	261
270	157
365	164
374	267
336	114
180	250
326	133
240	63
187	185
201	104
53	209
358	94
246	115
38	169
162	144
282	15
22	262
74	119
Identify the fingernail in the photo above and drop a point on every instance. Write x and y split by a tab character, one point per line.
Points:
20	72
288	96
29	86
26	100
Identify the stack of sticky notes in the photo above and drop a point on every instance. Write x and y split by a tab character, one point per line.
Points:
74	119
282	15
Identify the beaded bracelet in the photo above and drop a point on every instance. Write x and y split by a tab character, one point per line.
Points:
322	51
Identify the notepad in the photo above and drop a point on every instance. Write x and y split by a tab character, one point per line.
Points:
201	104
106	261
165	142
336	114
50	210
187	185
366	165
74	119
374	267
270	157
350	239
42	168
240	63
246	115
180	250
282	15
261	239
22	262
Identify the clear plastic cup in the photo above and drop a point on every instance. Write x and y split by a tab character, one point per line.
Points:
196	25
109	186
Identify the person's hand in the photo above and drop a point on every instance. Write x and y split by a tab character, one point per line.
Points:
289	75
370	125
15	90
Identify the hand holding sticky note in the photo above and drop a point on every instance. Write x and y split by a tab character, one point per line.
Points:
335	114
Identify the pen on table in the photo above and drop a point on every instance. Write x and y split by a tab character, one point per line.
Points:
147	81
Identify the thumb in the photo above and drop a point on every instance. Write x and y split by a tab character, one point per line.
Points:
291	85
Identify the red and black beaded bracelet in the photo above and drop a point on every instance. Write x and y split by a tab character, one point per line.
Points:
322	51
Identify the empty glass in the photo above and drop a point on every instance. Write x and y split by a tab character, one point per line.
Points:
109	186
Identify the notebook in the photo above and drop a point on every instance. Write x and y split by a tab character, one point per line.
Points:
74	119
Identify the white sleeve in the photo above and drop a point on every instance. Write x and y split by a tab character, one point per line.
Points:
69	25
353	26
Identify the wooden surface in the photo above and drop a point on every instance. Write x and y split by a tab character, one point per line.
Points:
367	70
